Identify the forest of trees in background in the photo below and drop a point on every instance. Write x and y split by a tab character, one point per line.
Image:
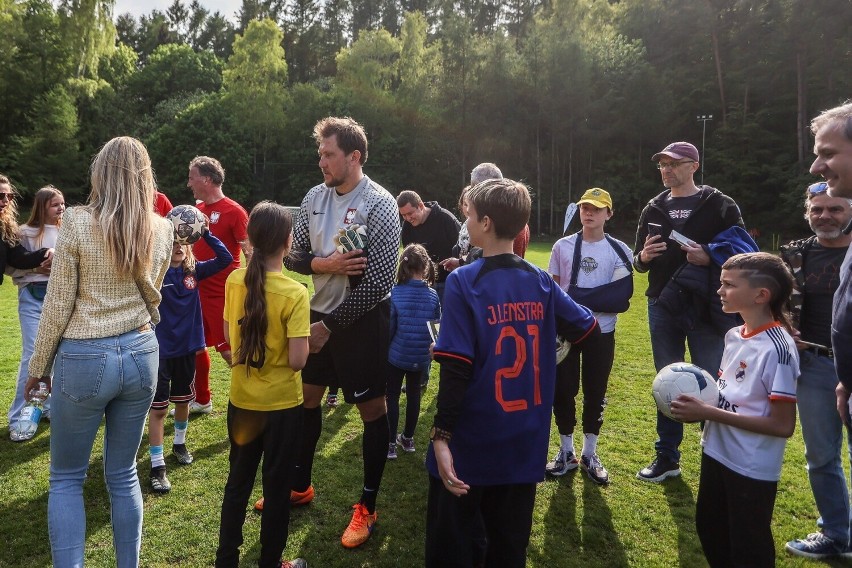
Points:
563	94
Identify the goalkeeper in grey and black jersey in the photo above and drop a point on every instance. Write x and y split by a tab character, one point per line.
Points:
346	237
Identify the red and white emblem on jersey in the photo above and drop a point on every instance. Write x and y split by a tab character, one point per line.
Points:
214	217
189	282
349	218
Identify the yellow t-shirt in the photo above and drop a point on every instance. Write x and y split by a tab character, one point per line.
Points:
275	386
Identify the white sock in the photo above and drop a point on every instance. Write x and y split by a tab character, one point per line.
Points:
590	444
180	432
567	443
157	459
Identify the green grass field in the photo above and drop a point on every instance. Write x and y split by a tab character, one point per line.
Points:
577	523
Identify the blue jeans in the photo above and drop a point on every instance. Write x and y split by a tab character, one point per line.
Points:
822	431
112	377
668	344
29	314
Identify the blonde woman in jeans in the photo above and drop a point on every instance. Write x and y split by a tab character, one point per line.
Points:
101	305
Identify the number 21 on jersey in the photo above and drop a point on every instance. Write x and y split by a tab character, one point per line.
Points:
508	335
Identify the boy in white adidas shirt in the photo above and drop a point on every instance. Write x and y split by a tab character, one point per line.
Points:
746	432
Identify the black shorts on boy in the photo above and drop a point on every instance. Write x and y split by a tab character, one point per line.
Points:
175	381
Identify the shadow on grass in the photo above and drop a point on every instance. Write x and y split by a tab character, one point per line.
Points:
204	452
15	454
25	540
562	537
569	541
600	539
24	521
681	503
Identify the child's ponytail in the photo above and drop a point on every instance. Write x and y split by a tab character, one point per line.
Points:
269	228
415	260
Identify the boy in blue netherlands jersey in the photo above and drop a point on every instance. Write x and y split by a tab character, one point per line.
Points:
498	368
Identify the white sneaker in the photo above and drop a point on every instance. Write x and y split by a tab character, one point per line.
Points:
17	435
562	463
195	408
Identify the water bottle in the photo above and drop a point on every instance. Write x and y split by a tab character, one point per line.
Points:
31	413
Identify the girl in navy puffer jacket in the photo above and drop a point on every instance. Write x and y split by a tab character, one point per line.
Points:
413	305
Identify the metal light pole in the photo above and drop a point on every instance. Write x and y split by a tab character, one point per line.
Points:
703	118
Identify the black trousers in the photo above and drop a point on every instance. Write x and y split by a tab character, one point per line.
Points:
276	436
451	525
593	359
413	379
733	517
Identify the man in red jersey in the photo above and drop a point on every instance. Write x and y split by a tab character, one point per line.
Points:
228	222
162	205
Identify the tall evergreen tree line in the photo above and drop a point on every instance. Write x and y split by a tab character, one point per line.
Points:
563	94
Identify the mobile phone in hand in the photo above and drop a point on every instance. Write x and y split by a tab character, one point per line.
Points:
655	229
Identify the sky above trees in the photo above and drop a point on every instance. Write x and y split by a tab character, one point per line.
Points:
228	8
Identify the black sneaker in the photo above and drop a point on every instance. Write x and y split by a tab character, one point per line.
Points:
659	469
159	482
182	454
817	546
594	469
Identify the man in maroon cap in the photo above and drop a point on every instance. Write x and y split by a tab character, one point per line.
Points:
699	213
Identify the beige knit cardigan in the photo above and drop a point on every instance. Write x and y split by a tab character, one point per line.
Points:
86	299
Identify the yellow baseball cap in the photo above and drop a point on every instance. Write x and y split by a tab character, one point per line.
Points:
597	197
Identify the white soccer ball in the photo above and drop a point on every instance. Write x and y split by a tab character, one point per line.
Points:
189	223
683	378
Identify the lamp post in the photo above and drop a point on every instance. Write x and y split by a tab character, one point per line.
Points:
703	118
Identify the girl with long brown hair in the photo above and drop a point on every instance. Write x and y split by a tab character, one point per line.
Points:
267	325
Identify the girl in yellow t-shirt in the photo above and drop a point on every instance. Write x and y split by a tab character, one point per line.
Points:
267	324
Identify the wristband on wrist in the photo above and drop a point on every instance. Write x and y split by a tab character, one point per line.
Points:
440	434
